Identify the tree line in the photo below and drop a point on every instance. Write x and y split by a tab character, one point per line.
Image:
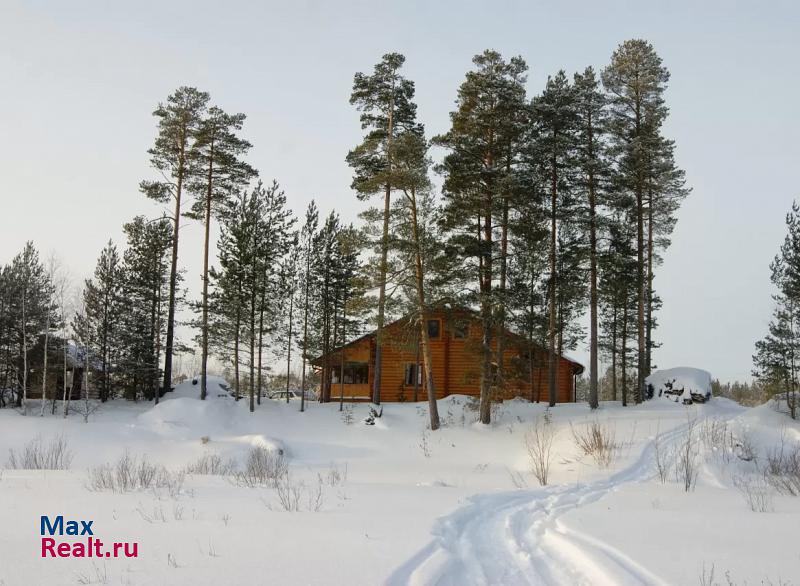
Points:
550	205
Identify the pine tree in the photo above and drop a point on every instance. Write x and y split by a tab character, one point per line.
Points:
477	183
308	235
636	80
592	174
385	102
554	116
220	169
175	156
274	240
413	164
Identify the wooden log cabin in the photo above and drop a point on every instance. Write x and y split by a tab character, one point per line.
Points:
456	336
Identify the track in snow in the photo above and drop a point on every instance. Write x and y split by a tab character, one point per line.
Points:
516	539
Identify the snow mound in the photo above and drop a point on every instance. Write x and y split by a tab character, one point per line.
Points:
217	388
682	384
182	413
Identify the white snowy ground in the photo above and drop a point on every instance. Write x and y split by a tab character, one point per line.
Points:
416	507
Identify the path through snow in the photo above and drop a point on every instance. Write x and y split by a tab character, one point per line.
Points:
516	538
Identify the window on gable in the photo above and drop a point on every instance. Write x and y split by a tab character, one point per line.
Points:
434	329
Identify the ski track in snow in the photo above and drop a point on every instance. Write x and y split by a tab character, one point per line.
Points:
516	538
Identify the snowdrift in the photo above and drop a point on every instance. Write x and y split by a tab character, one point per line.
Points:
682	385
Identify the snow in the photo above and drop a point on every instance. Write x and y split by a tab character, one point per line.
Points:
411	506
669	383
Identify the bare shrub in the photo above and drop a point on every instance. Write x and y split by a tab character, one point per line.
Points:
38	455
686	464
263	467
663	457
289	493
130	473
597	440
756	493
316	495
713	433
157	514
98	575
212	464
335	475
782	469
539	444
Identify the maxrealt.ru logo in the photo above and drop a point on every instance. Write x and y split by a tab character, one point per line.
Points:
89	546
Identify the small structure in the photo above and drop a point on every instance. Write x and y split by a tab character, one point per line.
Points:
456	346
56	369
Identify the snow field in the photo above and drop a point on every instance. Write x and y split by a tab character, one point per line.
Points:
398	504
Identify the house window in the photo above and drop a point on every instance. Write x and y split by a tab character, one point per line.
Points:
355	373
460	329
413	375
434	328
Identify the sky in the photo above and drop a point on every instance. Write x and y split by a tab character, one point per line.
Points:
79	82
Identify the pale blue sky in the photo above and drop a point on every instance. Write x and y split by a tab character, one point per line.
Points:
80	80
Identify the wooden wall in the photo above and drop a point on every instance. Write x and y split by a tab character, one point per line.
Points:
456	364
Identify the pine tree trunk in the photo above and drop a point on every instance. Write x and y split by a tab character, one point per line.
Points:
206	239
24	403
624	350
305	332
551	387
416	373
501	314
614	353
486	317
341	362
44	368
259	382
384	266
236	338
649	292
289	345
419	282
640	281
252	350
593	374
173	284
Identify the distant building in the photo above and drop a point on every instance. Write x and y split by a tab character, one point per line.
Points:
455	334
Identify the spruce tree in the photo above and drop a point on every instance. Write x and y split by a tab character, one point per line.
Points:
145	276
777	358
28	313
102	302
